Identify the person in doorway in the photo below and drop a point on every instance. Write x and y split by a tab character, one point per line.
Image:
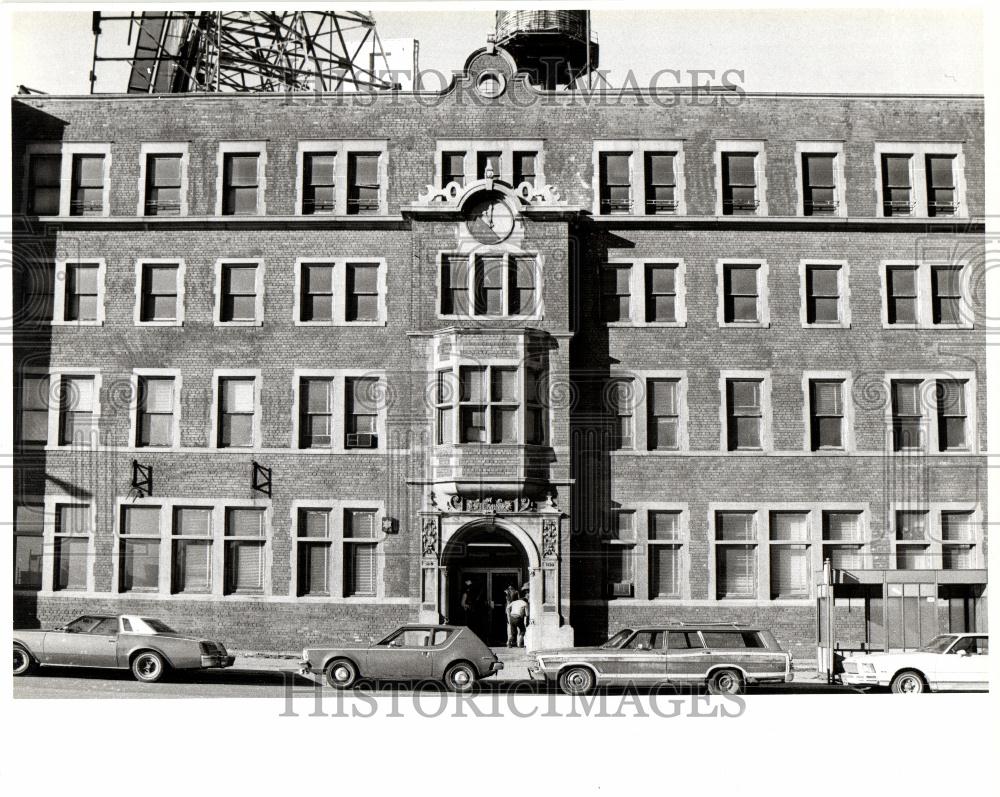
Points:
517	621
508	595
466	604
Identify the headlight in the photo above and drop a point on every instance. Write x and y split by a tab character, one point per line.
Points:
305	654
869	668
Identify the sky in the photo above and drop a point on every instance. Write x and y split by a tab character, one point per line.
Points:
842	50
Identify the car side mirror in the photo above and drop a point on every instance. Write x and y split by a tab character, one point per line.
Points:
396	643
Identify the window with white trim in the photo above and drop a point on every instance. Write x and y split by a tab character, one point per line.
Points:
661	292
316	304
489	285
902	295
83	292
362	292
44	183
87	185
314	548
664	414
924	179
191	550
791	574
29	525
946	295
316	412
71	546
638	178
912	546
843	539
240	293
665	553
77	409
361	412
745	414
819	184
826	414
824	294
158	292
621	405
319	183
237	412
619	554
245	548
511	161
916	403
958	540
942	185
155	411
360	553
925	295
34	409
241	183
616	292
491	404
739	184
163	184
139	548
363	183
735	555
742	289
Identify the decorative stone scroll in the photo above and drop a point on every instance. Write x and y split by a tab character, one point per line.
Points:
491	505
429	537
451	195
550	538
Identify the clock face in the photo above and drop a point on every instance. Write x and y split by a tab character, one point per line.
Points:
490	220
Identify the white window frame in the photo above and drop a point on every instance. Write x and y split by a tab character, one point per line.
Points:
835	148
258	288
847	431
763	280
36	502
163	148
69	151
759	149
766	409
637	150
844	290
42	148
56	377
219	555
215	416
133	410
165	538
59	292
342	148
35	373
258	148
637	287
918	152
508	255
934	542
925	293
181	273
50	518
640	411
683	542
340	291
930	416
339	377
505	146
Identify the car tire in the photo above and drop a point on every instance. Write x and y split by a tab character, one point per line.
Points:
726	682
908	682
23	662
148	667
341	673
461	677
576	681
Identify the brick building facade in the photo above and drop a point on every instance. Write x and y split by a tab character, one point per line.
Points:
295	368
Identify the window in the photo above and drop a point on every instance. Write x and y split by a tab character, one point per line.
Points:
616	293
952	415
661	293
521	286
77	403
71	546
843	543
683	640
362	292
158	292
958	536
790	571
745	414
514	161
244	551
83	292
525	168
901	284
912	544
155	420
488	405
338	292
444	398
87	187
823	294
736	555
192	550
35	298
452	168
615	182
907	414
455	285
360	552
536	420
319	184
489	285
942	193
239	293
621	395
163	185
663	408
140	549
739	183
316	412
826	409
946	294
237	402
921	178
897	187
619	569
363	187
314	550
660	183
741	294
35	409
317	292
28	546
489	164
732	639
819	188
664	553
362	413
241	184
44	184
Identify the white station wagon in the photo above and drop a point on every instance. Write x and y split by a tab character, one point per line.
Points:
949	662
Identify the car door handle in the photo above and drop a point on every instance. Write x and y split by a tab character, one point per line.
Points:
112	641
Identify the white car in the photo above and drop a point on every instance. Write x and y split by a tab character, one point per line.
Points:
957	662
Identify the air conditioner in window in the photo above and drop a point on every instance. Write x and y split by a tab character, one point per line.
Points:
362	440
620	589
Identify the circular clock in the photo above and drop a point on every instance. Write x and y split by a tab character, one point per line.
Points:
490	220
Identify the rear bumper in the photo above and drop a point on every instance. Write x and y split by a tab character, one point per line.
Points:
860	679
212	661
493	669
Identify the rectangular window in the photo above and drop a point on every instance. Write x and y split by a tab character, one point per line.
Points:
76	410
71	546
362	413
87	189
362	292
826	403
619	567
155	411
843	544
907	414
522	286
444	391
745	414
35	409
946	294
820	185
661	184
957	540
504	404
452	168
661	293
739	183
363	187
665	554
316	302
455	285
236	412
912	544
360	553
314	550
897	189
662	402
82	292
525	168
616	293
44	184
319	187
741	294
28	547
823	294
952	415
736	555
158	299
239	292
790	571
140	549
489	284
488	161
535	420
192	550
316	412
615	182
244	552
901	293
240	184
472	407
163	185
622	415
942	193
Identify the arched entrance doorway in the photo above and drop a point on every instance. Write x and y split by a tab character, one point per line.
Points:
482	561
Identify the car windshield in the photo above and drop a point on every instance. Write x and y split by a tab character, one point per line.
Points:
938	645
616	640
157	626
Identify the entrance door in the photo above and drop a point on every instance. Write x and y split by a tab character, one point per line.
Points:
487	615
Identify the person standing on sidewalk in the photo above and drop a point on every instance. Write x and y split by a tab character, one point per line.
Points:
517	621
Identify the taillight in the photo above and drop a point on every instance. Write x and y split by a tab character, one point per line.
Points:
207	648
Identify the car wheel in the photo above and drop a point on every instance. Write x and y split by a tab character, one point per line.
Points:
576	681
460	677
148	667
341	674
725	682
23	663
908	682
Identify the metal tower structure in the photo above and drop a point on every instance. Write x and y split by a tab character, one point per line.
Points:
247	51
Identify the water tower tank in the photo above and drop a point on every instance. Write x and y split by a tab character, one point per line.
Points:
554	47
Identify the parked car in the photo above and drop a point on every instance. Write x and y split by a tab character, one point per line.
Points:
146	646
447	653
724	658
957	662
